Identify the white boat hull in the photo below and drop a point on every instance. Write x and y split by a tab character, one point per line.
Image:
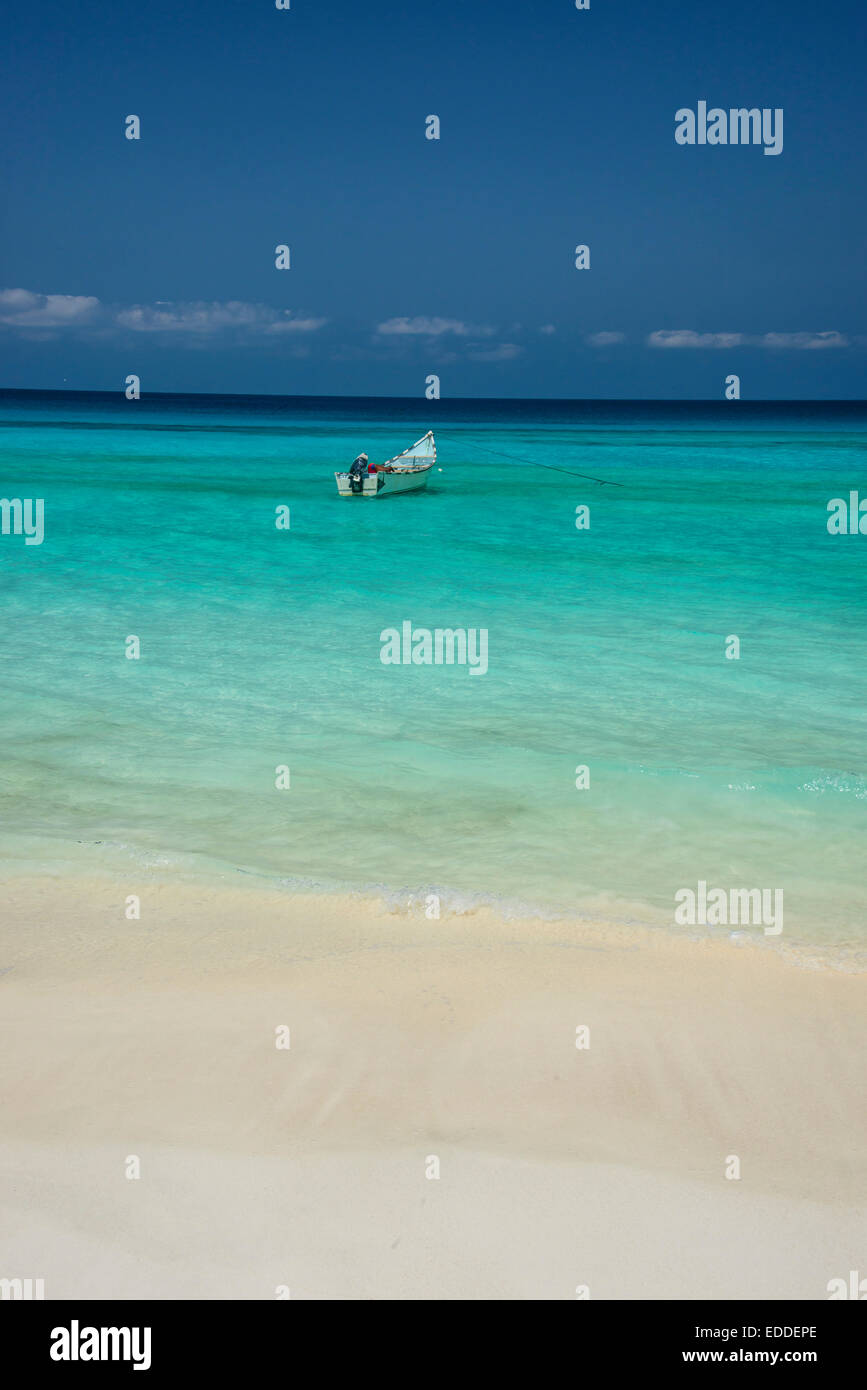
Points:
386	482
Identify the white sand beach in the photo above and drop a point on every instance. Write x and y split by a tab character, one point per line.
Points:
263	1168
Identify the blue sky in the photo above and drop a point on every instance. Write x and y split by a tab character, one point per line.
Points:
411	256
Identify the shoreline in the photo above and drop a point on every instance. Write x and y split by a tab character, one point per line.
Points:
412	1039
155	874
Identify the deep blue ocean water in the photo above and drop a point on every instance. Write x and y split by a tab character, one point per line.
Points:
260	648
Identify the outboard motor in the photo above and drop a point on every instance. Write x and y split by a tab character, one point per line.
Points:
357	472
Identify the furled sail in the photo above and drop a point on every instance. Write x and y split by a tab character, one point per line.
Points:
423	451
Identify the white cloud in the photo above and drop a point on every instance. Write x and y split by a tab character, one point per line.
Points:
43	315
688	338
289	325
547	328
203	318
423	326
605	339
503	352
803	340
26	310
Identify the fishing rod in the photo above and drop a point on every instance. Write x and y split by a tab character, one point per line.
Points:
534	463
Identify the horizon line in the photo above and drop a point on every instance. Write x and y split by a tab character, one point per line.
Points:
434	404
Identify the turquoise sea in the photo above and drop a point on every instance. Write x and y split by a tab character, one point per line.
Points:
260	648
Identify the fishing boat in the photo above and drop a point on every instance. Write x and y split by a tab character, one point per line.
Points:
406	472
